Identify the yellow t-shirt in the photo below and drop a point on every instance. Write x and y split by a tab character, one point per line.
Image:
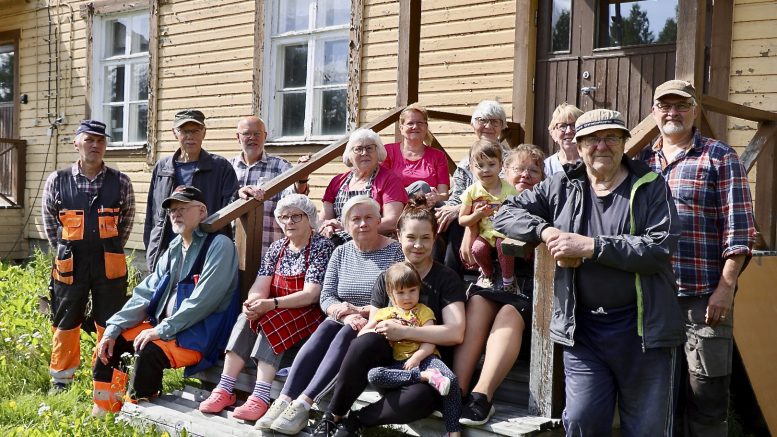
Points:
475	195
416	317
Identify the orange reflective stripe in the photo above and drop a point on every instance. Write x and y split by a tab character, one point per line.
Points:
65	352
178	356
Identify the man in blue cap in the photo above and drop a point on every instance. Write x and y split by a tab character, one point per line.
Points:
88	209
189	165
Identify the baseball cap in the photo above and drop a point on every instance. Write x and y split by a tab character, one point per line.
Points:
189	115
186	194
599	119
675	87
93	127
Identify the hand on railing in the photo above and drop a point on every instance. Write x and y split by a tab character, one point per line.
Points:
250	191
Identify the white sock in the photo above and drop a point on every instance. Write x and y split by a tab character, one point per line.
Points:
508	281
304	404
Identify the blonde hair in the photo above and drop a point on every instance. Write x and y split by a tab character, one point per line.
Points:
484	149
562	114
424	113
529	151
399	276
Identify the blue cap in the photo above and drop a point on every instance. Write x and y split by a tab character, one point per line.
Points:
93	127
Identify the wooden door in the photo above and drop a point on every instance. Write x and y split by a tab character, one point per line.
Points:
601	54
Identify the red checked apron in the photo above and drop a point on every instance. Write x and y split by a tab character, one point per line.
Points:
284	327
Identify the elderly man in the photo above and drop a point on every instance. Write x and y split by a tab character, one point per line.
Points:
88	209
189	165
710	189
255	167
179	316
611	225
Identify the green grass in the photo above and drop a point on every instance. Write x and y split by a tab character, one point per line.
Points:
26	408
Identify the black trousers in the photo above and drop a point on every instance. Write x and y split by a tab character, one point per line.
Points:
401	405
149	366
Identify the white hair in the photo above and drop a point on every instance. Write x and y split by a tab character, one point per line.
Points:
360	136
361	199
301	202
489	109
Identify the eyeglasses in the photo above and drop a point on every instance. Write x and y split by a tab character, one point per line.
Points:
679	107
188	132
564	126
179	210
361	150
294	218
534	171
251	134
414	124
488	121
608	140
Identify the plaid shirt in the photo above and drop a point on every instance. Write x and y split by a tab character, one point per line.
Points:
710	188
258	173
51	212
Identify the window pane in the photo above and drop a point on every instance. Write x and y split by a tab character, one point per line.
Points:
333	13
139	83
293	15
6	73
293	114
335	66
333	111
560	24
138	119
115	121
114	83
140	34
639	22
117	37
295	65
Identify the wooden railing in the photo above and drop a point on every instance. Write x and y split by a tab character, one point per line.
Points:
12	171
249	213
546	393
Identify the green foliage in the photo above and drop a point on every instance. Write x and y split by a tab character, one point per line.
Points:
26	408
561	32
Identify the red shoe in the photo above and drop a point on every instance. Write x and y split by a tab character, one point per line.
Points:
217	401
253	409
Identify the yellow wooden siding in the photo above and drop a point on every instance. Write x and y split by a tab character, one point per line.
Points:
753	73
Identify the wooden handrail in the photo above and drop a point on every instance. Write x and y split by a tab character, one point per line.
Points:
736	110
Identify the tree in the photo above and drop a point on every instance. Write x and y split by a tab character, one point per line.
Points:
632	30
669	32
561	32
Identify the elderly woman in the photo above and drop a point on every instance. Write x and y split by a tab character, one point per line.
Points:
363	154
345	298
443	292
488	122
422	169
611	225
562	130
281	309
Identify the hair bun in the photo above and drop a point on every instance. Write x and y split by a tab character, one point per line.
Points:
417	200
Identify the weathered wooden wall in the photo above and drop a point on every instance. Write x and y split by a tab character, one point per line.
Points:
12	245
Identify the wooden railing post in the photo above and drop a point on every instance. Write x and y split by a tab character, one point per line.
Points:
546	376
765	189
248	240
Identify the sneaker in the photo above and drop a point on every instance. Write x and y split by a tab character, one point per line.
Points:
253	409
512	287
276	409
478	411
440	382
292	420
58	387
326	427
484	282
348	427
217	401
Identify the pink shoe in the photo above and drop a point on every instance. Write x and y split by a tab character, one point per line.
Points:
253	409
440	382
217	401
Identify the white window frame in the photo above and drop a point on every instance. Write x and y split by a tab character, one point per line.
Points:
273	64
99	62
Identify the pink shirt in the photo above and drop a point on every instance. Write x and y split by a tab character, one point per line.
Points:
431	168
385	189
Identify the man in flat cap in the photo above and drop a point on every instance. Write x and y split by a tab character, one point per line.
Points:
88	209
180	315
709	186
189	165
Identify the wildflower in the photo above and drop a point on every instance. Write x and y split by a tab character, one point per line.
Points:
43	408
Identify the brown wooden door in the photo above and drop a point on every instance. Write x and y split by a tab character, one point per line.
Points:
601	54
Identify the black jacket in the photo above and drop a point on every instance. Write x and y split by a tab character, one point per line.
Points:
655	229
214	176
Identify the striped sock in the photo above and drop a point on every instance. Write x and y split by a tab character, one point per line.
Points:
227	383
262	391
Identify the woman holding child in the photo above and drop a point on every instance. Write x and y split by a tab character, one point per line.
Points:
281	308
443	292
345	298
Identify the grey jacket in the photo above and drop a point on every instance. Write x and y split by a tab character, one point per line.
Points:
646	251
214	176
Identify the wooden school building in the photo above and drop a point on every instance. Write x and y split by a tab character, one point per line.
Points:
316	69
